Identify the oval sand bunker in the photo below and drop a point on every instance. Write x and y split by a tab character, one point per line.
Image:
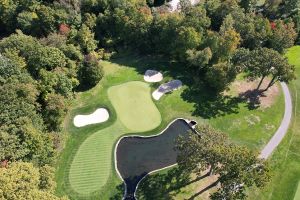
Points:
99	116
153	76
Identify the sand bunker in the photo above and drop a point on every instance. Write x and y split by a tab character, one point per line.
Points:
165	88
100	115
153	76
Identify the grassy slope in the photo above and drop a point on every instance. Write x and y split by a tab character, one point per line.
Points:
171	106
286	160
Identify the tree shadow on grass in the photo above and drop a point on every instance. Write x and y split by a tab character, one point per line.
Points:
252	97
159	186
208	104
165	186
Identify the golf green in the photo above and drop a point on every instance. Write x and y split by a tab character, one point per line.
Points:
134	106
136	112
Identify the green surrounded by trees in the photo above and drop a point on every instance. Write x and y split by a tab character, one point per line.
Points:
50	69
92	163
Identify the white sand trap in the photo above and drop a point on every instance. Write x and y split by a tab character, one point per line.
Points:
153	76
165	88
100	115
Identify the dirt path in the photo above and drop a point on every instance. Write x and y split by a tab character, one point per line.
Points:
283	128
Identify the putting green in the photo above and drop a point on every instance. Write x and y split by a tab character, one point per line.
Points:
136	112
134	106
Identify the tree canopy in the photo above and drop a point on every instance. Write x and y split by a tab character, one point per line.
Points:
236	167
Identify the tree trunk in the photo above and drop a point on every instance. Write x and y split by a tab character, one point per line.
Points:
211	170
260	82
205	189
270	84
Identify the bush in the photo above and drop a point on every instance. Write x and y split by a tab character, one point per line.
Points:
90	72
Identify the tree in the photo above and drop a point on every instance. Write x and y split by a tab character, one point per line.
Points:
163	32
46	22
45	58
21	180
26	20
55	108
236	167
21	127
47	178
242	169
85	38
36	55
220	75
283	35
54	40
248	5
90	72
228	43
199	59
187	38
196	154
196	17
8	14
263	62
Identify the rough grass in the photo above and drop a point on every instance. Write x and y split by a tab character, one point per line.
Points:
179	103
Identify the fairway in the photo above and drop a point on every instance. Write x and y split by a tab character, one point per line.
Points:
134	106
92	164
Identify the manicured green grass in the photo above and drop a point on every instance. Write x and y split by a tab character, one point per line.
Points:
136	111
134	106
91	165
176	104
252	128
286	160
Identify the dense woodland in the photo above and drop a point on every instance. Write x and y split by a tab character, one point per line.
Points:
49	49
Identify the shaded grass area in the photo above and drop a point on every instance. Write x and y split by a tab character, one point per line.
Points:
188	102
286	160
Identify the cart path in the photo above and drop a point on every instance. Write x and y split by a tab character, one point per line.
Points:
284	126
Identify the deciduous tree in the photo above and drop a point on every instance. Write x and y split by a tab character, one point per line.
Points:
235	166
264	62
